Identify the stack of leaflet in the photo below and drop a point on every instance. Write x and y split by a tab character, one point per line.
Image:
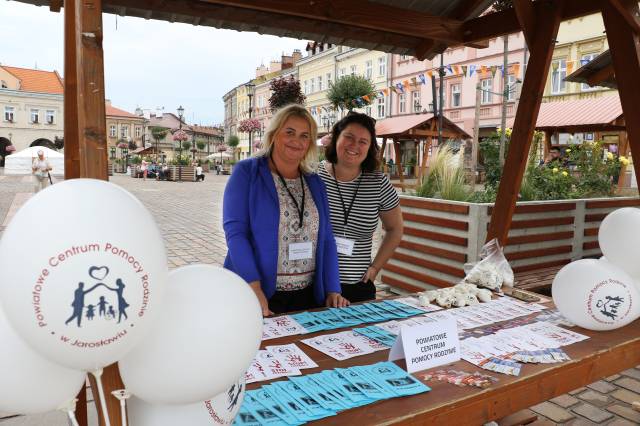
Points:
350	316
538	342
278	361
316	396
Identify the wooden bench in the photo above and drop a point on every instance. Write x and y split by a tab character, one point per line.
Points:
537	280
188	174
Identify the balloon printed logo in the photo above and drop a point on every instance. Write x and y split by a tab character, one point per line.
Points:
234	397
610	301
99	296
104	307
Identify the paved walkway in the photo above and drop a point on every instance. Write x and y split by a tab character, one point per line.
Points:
189	216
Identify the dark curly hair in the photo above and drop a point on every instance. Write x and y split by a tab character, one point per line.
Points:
371	162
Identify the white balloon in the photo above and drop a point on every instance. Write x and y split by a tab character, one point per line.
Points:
219	410
82	272
596	295
29	383
618	237
209	332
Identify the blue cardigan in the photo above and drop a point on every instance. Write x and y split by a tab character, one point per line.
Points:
251	217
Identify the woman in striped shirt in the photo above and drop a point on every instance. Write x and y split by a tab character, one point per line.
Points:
359	195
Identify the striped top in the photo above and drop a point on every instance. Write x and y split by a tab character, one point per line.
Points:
374	194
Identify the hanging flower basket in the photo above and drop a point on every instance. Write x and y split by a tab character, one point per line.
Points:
222	148
249	125
123	145
180	136
10	148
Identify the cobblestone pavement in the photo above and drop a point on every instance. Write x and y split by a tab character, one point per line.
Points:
189	216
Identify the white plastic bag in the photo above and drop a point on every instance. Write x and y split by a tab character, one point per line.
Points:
492	271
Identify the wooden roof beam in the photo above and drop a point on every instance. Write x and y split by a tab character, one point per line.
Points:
55	5
601	75
526	18
626	9
358	14
506	22
208	12
429	48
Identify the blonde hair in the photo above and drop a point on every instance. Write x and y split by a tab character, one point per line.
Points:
276	124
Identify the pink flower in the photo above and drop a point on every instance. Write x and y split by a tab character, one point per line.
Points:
249	125
10	148
180	135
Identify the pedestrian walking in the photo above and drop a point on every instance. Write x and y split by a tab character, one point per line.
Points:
40	167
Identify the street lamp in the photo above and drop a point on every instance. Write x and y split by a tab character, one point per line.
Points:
125	155
112	151
250	88
180	114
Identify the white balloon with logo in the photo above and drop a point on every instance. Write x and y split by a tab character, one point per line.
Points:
596	295
82	272
618	238
30	383
207	336
219	410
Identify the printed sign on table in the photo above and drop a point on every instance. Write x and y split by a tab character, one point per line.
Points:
427	345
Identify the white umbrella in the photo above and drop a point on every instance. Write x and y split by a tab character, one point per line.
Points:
219	155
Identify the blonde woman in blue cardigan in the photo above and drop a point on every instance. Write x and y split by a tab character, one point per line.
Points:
276	220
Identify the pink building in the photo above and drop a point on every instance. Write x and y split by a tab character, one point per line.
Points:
460	86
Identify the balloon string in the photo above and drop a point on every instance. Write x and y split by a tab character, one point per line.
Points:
103	402
72	418
123	411
122	395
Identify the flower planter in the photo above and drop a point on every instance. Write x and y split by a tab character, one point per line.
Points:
441	236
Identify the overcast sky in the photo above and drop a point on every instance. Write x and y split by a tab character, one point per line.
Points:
147	63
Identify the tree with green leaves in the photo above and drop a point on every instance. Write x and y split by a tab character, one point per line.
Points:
346	90
285	91
233	141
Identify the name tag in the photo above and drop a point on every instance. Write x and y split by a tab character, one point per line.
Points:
299	251
345	246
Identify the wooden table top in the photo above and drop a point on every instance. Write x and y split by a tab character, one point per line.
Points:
603	354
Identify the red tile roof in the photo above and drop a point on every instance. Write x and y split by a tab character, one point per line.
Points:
37	80
581	112
400	124
403	123
116	112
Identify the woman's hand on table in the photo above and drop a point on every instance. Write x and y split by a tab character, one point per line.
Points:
264	303
370	275
335	300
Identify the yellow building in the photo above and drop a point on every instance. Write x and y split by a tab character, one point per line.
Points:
316	72
373	65
579	41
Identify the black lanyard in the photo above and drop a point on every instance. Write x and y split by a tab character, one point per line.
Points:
346	212
299	207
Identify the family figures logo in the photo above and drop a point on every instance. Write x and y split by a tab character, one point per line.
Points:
610	302
103	304
610	305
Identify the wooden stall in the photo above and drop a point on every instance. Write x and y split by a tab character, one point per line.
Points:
417	28
416	127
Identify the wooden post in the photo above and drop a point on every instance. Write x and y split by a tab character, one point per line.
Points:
548	22
381	154
85	136
396	147
425	158
625	55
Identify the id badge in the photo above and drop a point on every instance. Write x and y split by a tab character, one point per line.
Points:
345	246
299	251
